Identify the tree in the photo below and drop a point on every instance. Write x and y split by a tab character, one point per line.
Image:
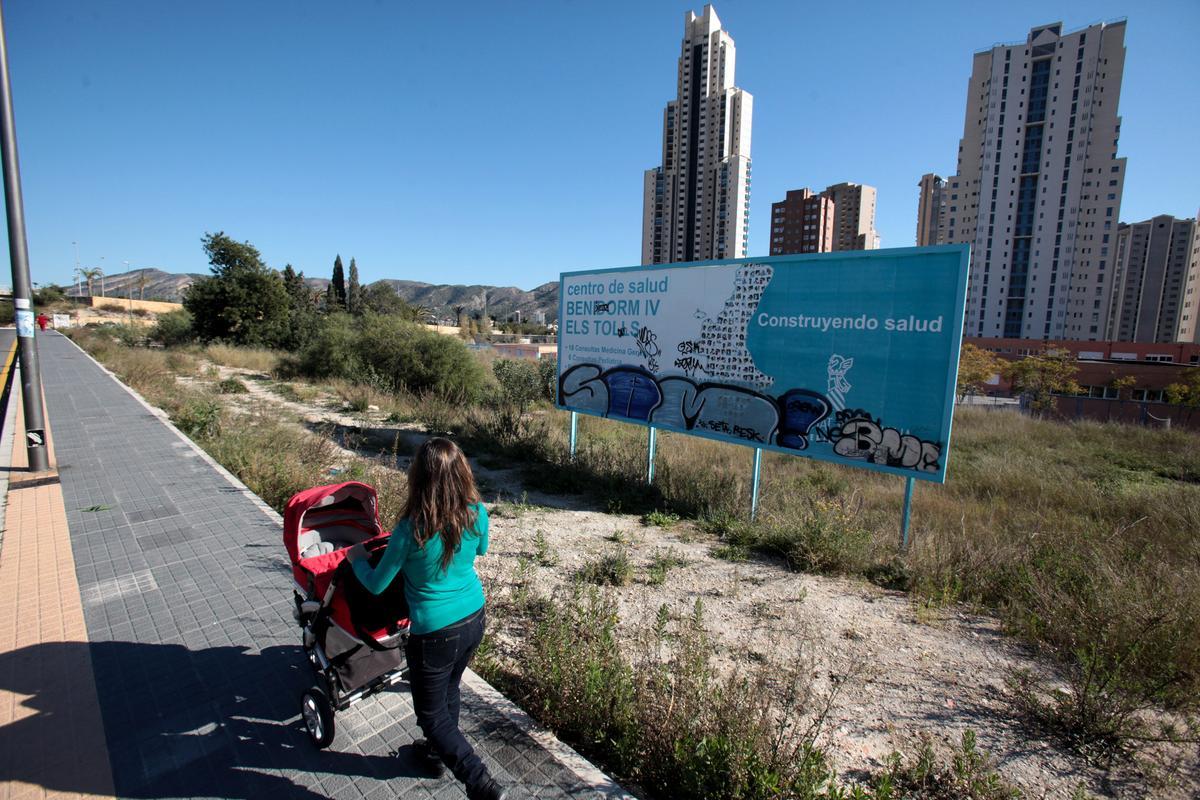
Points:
90	276
521	385
1122	386
1186	392
243	301
354	291
1043	375
337	287
976	367
302	313
381	298
50	293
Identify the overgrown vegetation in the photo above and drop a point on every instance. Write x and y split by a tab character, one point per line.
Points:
1079	536
659	713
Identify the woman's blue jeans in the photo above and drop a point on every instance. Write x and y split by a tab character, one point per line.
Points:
436	661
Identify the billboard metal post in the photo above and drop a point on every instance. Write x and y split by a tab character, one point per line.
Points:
31	378
908	493
574	432
650	455
754	485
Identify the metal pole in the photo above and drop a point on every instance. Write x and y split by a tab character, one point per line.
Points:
908	492
574	432
31	377
754	485
650	455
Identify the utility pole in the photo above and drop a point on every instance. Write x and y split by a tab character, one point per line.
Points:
31	377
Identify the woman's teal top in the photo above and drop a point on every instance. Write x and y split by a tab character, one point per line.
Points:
436	598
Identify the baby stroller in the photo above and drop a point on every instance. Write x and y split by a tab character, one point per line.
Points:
354	640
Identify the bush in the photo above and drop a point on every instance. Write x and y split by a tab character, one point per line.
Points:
520	387
232	386
173	328
611	569
199	418
391	354
548	375
671	723
970	775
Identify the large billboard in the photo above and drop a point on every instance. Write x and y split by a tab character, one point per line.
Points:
848	357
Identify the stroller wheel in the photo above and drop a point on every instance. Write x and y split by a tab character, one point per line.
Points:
317	714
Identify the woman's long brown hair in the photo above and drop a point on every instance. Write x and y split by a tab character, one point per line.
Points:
441	491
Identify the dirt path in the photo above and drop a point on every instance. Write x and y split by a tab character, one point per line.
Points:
906	673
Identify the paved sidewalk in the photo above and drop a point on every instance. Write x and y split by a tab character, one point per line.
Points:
185	594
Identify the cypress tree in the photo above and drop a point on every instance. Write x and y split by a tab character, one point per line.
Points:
337	287
354	290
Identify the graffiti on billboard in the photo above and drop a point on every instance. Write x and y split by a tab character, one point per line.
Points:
850	358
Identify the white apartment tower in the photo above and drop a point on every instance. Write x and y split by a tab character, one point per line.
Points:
696	205
1038	189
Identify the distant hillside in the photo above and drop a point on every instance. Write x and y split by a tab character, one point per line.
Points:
502	301
157	285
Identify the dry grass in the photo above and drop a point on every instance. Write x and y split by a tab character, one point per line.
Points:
253	358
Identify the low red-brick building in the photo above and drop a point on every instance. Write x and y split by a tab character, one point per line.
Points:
1152	366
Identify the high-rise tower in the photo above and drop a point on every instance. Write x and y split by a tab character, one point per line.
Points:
930	208
1156	275
1038	189
696	205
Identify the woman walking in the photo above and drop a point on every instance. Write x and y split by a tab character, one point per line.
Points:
442	527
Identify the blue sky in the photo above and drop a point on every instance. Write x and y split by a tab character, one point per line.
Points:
503	143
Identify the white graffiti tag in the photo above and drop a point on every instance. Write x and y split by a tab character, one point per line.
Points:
838	385
866	439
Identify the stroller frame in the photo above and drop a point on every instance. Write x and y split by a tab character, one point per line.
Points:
361	664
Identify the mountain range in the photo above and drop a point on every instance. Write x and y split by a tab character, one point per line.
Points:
444	300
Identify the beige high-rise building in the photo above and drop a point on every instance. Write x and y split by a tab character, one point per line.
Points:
1156	295
696	205
930	208
1038	188
853	216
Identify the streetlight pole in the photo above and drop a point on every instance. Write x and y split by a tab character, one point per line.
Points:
31	377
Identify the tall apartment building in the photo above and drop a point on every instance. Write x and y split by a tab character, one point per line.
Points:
853	216
930	207
1038	188
840	218
802	223
696	205
1156	296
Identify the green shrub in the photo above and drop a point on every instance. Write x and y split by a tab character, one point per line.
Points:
391	354
662	563
548	377
661	519
969	775
672	724
232	386
610	569
173	328
200	418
